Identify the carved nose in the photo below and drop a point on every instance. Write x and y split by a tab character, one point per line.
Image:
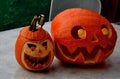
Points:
94	39
39	51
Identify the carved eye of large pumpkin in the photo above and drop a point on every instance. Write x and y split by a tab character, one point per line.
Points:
106	30
78	32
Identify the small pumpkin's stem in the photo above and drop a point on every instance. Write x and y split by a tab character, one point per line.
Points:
41	20
33	24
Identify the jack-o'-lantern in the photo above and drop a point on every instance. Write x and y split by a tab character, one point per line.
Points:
82	36
34	48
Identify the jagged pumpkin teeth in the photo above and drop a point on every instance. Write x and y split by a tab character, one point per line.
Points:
36	60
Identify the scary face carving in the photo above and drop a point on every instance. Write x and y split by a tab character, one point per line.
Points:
34	50
37	55
82	36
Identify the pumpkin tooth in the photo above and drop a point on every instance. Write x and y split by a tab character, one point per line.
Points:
39	65
37	61
35	64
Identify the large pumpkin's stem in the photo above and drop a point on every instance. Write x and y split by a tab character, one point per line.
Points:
41	20
33	24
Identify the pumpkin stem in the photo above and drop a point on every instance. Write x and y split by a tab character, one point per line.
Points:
33	24
41	20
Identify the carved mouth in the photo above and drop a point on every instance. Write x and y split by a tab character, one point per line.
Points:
88	57
36	62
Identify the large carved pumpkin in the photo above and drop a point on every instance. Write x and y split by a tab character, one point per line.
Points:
82	36
34	47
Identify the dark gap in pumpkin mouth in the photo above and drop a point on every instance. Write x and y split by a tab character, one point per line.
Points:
84	52
37	61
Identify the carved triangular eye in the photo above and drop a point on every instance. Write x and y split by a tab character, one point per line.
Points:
78	32
31	45
44	44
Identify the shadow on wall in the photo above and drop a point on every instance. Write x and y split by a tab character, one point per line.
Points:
19	13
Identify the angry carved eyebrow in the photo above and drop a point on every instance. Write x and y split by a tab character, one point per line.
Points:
44	44
31	45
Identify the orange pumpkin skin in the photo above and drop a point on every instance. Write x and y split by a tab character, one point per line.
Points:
82	37
34	50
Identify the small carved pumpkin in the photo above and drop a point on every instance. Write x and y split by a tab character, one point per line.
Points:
34	47
82	36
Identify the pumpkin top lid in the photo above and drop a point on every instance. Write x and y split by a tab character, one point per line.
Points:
34	31
37	35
